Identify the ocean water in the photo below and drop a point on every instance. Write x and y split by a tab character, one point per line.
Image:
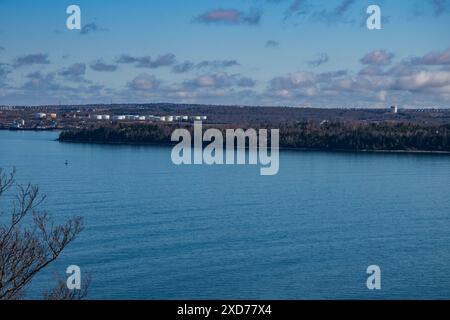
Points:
159	231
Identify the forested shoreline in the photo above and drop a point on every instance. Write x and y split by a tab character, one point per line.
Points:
385	136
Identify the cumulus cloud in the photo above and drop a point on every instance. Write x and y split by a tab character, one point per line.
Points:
160	61
434	81
218	64
378	57
381	95
298	84
371	70
320	60
421	79
38	81
293	80
219	80
101	66
48	88
4	70
30	59
144	82
372	84
147	62
74	72
246	82
206	64
230	17
434	58
183	67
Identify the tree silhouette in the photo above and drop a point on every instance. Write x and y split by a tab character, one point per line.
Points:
27	246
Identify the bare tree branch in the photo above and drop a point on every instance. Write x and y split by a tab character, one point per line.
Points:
26	249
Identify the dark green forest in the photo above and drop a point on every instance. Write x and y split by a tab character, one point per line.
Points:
355	136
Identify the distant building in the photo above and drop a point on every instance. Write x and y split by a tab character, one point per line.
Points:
40	115
166	118
18	124
394	109
102	117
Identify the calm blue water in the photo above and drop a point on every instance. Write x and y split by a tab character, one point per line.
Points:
158	231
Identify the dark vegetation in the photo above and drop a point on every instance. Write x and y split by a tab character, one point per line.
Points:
121	133
354	136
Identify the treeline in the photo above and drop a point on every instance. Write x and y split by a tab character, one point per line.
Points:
367	136
306	135
121	133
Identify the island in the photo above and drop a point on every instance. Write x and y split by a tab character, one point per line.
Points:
332	136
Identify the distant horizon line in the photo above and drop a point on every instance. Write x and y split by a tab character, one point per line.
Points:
221	105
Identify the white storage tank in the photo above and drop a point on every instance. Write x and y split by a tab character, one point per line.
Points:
40	115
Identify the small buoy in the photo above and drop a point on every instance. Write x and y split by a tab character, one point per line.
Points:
67	162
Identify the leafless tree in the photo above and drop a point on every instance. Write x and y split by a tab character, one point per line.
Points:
61	292
30	241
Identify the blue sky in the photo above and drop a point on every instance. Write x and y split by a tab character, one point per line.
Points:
315	53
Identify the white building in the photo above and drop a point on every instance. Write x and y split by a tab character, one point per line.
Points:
166	118
102	117
40	115
394	109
